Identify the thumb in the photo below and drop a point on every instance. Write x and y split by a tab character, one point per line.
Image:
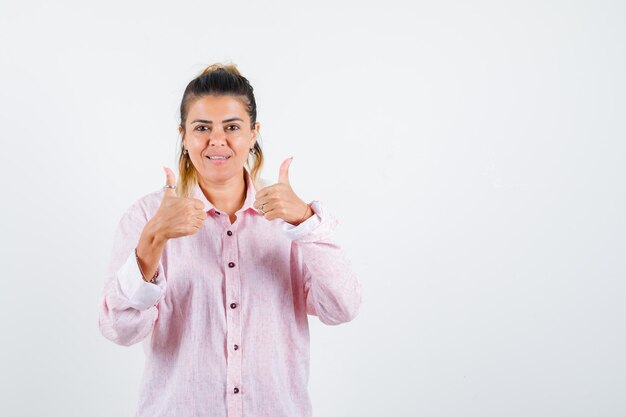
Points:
283	175
170	179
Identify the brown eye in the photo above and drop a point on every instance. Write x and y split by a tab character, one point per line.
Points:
235	127
198	128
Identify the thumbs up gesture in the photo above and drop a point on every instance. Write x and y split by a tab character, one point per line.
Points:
279	201
177	216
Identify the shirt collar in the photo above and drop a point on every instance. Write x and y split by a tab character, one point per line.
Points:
247	204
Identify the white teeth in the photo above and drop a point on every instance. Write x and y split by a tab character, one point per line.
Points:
218	157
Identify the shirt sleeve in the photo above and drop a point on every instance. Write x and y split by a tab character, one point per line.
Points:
129	305
332	291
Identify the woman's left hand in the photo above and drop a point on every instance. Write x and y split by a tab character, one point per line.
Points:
278	201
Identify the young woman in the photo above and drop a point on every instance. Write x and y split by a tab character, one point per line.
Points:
216	276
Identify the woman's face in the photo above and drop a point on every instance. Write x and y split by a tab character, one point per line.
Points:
218	126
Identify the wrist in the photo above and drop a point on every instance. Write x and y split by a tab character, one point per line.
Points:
143	275
307	215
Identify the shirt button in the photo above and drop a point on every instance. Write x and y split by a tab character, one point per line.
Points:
236	390
229	233
231	264
235	347
233	305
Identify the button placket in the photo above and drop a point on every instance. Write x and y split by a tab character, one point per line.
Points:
233	322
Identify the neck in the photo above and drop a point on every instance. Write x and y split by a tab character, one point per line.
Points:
227	196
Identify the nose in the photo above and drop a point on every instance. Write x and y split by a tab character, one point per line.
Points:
217	138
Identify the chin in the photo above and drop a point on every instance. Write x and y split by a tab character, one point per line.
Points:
220	174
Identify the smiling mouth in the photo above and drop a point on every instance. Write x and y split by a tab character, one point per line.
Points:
218	158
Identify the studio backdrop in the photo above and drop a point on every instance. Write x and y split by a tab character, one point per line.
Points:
472	152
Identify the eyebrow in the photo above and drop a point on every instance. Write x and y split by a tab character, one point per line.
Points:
232	119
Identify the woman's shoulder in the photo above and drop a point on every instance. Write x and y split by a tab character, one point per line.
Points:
146	205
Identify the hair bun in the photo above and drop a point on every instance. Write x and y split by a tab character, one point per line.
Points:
232	68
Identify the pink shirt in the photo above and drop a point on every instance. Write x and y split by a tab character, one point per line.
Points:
225	328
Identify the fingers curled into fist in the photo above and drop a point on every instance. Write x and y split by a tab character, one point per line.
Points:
279	201
177	216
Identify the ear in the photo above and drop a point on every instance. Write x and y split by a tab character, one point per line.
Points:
256	131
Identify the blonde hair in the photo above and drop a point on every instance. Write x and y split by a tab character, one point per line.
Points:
217	79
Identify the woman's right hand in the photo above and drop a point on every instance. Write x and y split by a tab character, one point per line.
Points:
177	216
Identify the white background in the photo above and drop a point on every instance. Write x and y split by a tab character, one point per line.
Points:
472	151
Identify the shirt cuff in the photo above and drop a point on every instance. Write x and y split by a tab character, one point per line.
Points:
139	293
307	227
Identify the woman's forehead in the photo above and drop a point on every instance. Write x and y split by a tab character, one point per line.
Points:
217	108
